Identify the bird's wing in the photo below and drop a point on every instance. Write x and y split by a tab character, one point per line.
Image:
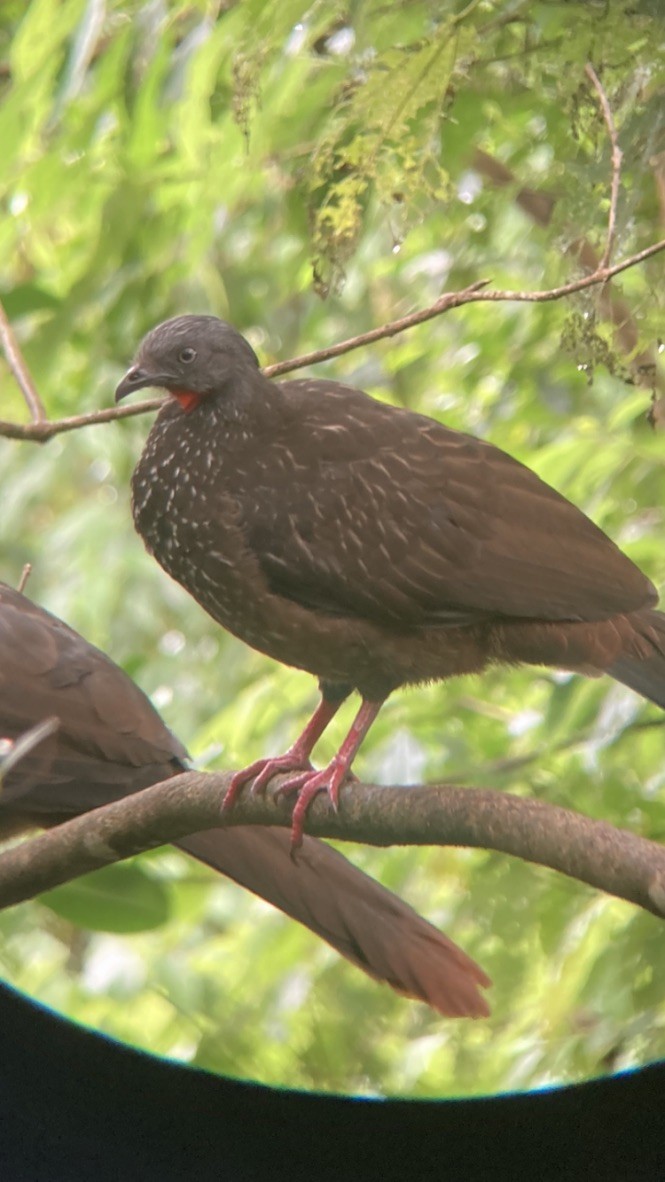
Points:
46	669
385	514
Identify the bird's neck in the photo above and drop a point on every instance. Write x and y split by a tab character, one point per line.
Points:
247	404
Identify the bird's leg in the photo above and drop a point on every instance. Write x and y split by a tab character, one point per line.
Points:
295	759
309	783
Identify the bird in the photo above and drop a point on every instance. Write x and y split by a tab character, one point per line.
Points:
111	742
368	545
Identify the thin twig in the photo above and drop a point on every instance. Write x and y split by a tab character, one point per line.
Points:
25	575
26	743
616	157
41	432
452	299
16	363
538	204
591	851
456	299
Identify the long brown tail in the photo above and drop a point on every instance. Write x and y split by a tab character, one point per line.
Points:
368	924
645	675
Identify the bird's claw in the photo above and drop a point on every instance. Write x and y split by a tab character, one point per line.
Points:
308	785
273	767
305	781
260	773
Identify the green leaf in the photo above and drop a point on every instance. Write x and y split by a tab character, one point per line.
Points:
122	898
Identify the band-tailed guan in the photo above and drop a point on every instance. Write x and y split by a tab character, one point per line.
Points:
366	544
111	742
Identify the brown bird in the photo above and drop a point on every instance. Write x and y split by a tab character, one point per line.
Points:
368	545
111	742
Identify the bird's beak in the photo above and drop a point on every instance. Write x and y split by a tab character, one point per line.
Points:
137	379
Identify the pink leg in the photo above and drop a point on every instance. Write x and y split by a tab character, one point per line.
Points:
308	783
295	759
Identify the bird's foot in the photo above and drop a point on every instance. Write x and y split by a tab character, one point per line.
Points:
308	784
262	771
296	759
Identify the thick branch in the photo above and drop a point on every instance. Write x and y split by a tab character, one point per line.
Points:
594	852
40	432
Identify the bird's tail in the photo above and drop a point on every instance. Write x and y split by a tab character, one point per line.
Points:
645	675
368	924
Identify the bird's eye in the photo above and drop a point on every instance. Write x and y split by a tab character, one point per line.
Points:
187	355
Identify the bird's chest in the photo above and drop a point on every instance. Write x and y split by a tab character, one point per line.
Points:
187	511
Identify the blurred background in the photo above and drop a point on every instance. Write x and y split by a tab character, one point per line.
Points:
310	171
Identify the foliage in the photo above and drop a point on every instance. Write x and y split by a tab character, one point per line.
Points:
162	157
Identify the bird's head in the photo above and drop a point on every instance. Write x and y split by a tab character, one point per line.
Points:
192	357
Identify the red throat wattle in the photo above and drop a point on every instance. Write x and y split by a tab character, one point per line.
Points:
187	399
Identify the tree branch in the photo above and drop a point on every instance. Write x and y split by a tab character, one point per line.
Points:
17	364
44	430
451	299
616	158
594	852
538	204
41	431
